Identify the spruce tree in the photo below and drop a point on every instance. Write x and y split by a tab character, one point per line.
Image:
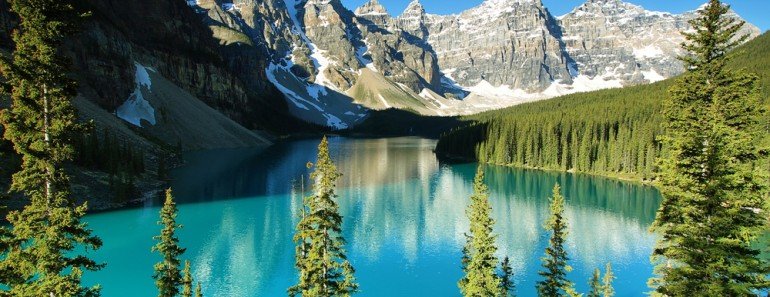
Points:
507	287
479	261
322	265
198	290
594	285
43	253
555	265
712	181
607	289
187	280
168	277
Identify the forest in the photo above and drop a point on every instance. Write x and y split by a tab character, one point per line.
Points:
702	137
610	132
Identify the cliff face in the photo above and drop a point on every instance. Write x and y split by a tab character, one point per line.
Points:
152	75
171	38
267	63
502	42
517	47
622	42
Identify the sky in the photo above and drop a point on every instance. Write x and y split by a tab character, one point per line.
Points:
755	11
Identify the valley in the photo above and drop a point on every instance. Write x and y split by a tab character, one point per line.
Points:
306	148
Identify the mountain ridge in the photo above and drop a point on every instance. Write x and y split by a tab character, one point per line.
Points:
623	123
259	61
501	52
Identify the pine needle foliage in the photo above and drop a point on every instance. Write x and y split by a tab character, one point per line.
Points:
601	286
594	284
43	253
555	266
187	280
168	277
479	261
613	132
607	289
321	262
198	290
507	286
712	180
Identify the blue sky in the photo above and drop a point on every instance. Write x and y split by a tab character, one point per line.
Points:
755	11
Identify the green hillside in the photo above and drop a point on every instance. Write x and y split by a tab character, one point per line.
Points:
608	132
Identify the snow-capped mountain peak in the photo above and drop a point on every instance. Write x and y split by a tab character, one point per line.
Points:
414	8
332	64
372	8
503	3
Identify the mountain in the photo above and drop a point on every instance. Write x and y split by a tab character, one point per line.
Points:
608	132
335	66
284	66
515	50
165	76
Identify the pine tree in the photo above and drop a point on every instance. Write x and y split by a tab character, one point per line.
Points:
507	287
595	285
187	280
40	258
168	277
323	267
713	184
607	289
555	281
479	260
198	290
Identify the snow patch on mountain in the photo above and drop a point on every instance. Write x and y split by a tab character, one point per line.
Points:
280	76
229	7
648	52
652	76
136	108
363	55
494	97
317	56
295	99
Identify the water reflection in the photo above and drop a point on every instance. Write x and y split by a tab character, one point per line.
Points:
404	221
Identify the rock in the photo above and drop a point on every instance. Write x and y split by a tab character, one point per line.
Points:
242	56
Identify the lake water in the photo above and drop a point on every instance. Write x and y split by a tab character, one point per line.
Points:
404	219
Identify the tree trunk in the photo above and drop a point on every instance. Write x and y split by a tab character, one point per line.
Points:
46	125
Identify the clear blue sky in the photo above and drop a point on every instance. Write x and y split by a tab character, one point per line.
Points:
756	12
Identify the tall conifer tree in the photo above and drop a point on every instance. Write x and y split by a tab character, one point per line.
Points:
322	265
168	277
187	280
607	289
595	285
555	265
40	257
507	287
479	261
713	185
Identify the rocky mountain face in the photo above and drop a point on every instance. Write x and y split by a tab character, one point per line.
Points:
163	75
516	50
259	61
154	77
334	66
624	43
502	42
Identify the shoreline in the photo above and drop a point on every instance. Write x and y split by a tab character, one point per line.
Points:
627	178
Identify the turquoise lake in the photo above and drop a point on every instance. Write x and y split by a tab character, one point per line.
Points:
404	219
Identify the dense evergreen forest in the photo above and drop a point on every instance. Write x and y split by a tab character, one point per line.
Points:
609	132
